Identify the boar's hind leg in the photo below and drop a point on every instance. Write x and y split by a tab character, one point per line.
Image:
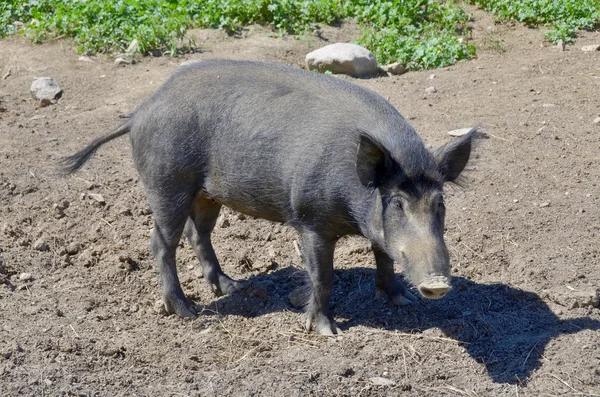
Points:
318	259
170	214
197	230
387	282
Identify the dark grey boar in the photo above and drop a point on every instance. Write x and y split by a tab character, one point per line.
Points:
315	152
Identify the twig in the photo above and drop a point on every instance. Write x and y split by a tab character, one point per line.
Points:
473	251
6	74
528	354
76	334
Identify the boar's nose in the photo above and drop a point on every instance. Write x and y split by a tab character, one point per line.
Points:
434	288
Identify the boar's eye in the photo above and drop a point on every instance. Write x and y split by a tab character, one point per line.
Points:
396	202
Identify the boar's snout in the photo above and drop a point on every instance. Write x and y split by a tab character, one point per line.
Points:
435	287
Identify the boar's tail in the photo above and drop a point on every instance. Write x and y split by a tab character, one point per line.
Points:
69	165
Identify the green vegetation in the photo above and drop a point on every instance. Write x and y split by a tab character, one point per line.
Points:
565	17
418	33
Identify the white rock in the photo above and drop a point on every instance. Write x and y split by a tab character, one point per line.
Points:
98	197
549	105
431	90
590	48
597	120
459	132
26	277
394	68
122	61
85	59
45	88
343	58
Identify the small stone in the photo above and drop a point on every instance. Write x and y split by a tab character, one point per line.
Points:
122	61
98	197
432	76
85	59
134	308
591	48
241	217
25	277
394	68
159	307
431	90
560	44
45	88
379	381
73	248
549	105
515	201
344	58
459	132
545	204
597	120
268	236
41	245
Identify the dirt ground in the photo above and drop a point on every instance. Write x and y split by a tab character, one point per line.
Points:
523	232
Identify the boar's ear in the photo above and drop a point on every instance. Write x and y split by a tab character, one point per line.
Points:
373	162
453	156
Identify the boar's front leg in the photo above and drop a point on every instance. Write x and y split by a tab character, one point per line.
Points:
318	259
387	282
197	230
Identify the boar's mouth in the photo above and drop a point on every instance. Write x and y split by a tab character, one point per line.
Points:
435	287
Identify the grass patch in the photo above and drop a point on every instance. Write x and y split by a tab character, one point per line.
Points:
564	17
418	33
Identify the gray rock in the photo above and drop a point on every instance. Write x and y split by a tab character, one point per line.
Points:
344	58
591	48
545	204
45	88
394	68
560	44
73	248
431	90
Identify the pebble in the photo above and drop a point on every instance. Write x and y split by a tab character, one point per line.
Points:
26	277
560	44
241	217
597	120
41	245
545	204
98	197
73	248
549	105
121	62
159	307
85	59
431	90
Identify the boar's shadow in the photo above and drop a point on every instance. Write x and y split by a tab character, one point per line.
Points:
504	328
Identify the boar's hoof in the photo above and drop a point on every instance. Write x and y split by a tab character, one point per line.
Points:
182	307
223	285
434	289
323	325
404	298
